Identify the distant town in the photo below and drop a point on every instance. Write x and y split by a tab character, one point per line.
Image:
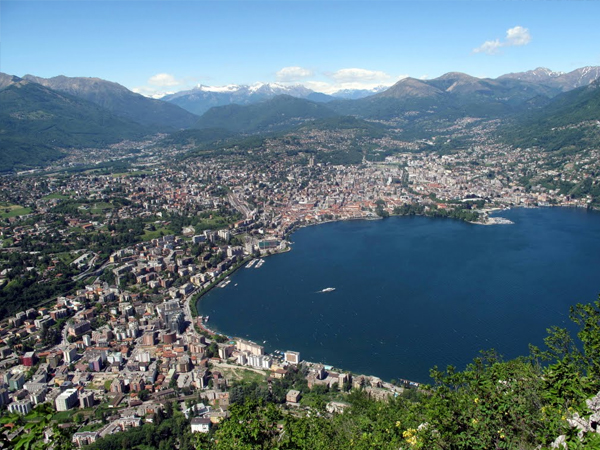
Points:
101	268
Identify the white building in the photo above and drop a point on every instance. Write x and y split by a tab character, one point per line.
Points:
292	357
23	407
66	400
200	425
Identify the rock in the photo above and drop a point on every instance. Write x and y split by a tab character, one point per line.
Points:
560	442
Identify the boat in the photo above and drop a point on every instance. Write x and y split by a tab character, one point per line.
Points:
259	263
329	289
251	263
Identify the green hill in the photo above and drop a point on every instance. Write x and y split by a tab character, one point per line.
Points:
569	123
36	122
280	113
121	102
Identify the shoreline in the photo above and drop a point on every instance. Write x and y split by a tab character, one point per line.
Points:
305	225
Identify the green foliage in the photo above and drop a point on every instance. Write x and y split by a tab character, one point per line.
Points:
169	433
566	125
278	113
35	121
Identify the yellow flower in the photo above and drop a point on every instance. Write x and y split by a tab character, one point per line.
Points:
476	400
397	423
410	436
474	422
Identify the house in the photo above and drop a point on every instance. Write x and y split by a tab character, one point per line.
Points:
293	397
200	425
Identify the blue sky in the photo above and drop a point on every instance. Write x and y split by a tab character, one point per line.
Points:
166	46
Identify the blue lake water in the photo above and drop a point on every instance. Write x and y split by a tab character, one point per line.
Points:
414	292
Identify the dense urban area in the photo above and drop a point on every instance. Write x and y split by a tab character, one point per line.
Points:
101	266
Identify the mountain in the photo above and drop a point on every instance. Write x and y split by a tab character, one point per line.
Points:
355	94
558	80
540	75
202	98
7	80
449	96
121	101
568	123
37	122
278	113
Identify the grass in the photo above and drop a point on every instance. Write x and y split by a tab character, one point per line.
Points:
63	416
8	211
99	207
67	257
242	374
149	235
56	196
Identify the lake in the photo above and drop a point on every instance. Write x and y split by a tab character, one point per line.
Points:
414	292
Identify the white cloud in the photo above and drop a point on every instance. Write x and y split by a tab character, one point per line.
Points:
489	47
163	79
515	37
160	85
151	92
293	73
352	78
359	75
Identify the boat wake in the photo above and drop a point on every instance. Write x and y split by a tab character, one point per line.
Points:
329	289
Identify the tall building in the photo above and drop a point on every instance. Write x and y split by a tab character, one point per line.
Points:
250	347
86	400
70	354
23	407
66	400
29	359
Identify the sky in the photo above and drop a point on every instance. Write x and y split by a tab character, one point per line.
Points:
157	47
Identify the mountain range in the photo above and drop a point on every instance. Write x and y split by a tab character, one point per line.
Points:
202	98
121	102
40	118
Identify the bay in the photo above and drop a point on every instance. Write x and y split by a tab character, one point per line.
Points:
414	292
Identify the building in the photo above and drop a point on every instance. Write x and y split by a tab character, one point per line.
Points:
53	360
79	328
86	400
117	386
66	400
200	425
4	398
70	354
169	338
292	397
148	338
292	357
16	382
85	438
29	359
23	407
250	347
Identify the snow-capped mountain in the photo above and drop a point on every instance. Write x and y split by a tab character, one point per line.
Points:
560	80
353	94
202	98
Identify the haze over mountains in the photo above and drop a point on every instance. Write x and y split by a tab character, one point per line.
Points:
41	118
